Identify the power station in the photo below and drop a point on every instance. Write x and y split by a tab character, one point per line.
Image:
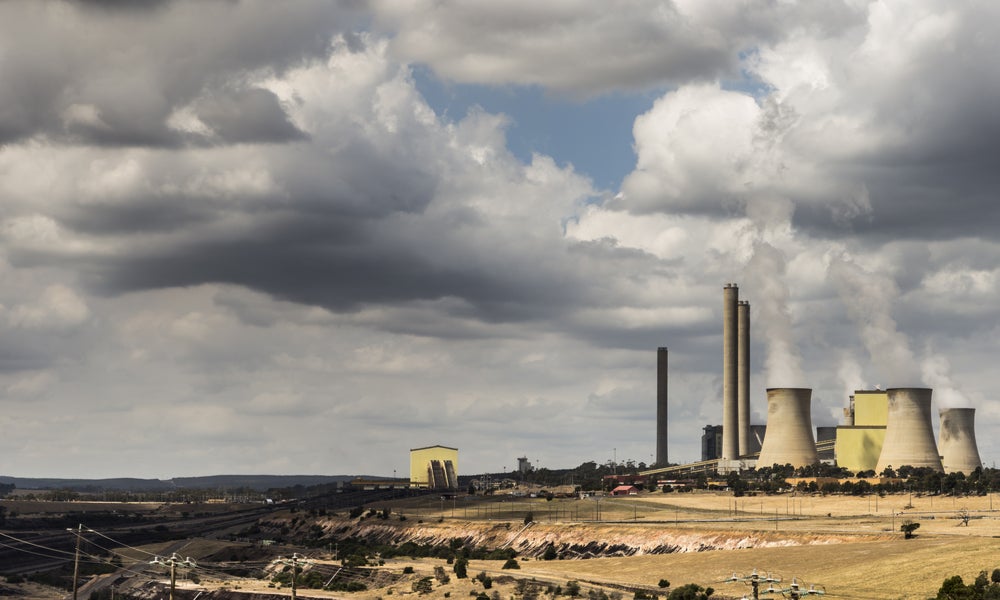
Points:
882	429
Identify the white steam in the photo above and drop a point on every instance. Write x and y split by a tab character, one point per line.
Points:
766	272
850	374
937	374
869	299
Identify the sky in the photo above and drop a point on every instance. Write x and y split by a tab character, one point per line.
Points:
287	238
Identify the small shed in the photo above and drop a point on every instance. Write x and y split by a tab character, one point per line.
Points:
625	490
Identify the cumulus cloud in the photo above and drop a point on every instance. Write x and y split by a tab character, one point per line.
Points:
583	48
112	73
267	220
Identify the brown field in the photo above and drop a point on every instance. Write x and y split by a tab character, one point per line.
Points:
850	545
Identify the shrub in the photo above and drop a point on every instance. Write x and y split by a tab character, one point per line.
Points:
407	570
441	576
664	583
461	566
423	586
511	564
690	591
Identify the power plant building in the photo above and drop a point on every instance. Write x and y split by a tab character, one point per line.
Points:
434	467
881	428
859	441
711	441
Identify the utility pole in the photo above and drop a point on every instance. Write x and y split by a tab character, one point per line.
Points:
293	562
173	563
795	590
754	579
76	557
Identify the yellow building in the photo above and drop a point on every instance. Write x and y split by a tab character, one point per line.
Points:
434	467
860	442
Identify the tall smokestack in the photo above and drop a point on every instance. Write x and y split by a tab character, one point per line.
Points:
909	435
789	438
661	407
743	375
730	416
957	441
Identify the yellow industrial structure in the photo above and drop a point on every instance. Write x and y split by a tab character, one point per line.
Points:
434	467
859	442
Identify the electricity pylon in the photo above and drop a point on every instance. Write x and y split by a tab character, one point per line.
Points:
173	562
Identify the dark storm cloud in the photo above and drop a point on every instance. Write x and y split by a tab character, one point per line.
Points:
105	74
137	217
244	116
341	265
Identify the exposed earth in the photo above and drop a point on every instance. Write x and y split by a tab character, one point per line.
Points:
850	545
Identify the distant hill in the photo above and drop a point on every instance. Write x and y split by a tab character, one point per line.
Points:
212	482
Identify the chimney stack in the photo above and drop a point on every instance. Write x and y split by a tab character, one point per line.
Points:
743	375
661	407
730	415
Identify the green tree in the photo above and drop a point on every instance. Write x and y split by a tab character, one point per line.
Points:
550	552
690	591
908	527
954	588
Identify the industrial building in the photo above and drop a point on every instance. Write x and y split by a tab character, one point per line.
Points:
711	441
434	467
882	428
859	440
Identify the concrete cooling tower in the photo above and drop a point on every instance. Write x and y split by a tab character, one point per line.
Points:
957	441
789	438
909	435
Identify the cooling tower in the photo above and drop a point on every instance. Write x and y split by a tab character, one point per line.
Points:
743	375
957	441
730	416
909	435
789	438
661	407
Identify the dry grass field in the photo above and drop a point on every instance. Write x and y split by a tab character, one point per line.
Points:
868	557
850	545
